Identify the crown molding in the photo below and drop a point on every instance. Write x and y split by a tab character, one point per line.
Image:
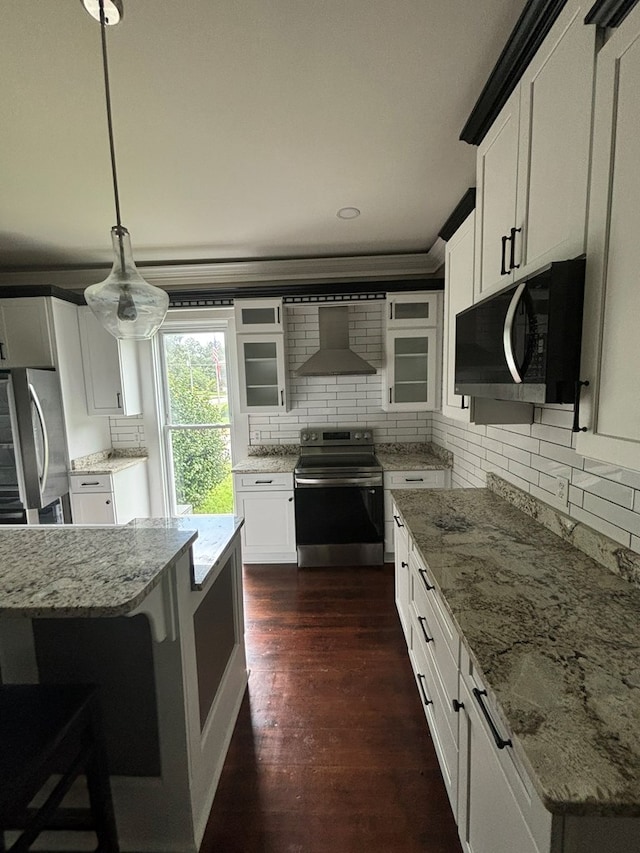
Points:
190	275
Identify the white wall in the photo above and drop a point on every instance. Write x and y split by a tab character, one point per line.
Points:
337	400
602	496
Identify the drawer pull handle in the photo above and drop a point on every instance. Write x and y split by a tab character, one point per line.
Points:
457	706
92	483
421	678
423	622
414	479
423	575
263	482
4	358
576	409
397	520
500	742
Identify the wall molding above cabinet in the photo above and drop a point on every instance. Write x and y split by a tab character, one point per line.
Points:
530	31
609	13
461	211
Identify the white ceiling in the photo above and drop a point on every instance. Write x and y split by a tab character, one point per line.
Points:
241	125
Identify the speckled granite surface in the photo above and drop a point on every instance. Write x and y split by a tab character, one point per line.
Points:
279	464
62	570
555	635
109	461
215	532
413	457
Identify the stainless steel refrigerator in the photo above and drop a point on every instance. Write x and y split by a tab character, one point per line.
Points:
33	452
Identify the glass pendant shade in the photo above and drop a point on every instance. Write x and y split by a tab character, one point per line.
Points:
125	304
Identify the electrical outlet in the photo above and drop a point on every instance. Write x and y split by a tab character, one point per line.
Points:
562	490
254	435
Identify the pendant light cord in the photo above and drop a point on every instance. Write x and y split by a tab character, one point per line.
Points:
112	149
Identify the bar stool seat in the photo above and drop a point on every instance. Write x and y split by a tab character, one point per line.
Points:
47	730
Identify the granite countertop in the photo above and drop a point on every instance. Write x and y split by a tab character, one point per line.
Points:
269	464
68	570
555	635
108	461
280	459
412	457
215	532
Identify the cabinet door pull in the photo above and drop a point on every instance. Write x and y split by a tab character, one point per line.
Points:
390	400
397	520
118	398
391	310
423	622
107	502
423	575
462	405
512	254
404	565
278	314
2	355
414	479
421	678
503	269
500	742
289	499
457	706
282	397
263	482
576	406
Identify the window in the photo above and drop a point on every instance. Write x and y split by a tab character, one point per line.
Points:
197	421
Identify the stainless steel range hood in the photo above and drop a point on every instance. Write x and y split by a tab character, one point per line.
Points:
334	358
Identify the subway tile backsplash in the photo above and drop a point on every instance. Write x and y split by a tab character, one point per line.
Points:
127	431
533	456
337	400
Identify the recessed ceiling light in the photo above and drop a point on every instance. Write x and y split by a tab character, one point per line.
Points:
113	10
348	213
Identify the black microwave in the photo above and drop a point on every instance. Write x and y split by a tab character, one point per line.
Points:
523	343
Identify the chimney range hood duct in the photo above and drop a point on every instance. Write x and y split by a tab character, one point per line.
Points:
334	358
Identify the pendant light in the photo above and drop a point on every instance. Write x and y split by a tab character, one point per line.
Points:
124	303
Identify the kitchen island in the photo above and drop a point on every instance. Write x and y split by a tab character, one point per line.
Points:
509	621
153	613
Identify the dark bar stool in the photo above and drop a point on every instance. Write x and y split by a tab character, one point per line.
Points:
45	730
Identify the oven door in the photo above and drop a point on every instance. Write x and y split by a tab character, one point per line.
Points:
339	525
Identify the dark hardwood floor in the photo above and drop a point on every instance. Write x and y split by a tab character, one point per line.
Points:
331	751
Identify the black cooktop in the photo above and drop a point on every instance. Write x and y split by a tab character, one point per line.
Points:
326	462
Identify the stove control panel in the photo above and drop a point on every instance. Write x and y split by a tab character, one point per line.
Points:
323	437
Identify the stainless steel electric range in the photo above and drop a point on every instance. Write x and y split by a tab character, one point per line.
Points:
339	499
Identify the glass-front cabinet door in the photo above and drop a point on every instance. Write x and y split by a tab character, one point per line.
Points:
411	310
411	370
262	373
258	315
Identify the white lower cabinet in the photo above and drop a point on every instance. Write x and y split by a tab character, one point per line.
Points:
402	574
114	498
266	504
493	800
424	479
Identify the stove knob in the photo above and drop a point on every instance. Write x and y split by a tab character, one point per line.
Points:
367	436
305	436
313	436
357	436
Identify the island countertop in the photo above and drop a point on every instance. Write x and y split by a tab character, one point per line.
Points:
555	636
68	570
215	532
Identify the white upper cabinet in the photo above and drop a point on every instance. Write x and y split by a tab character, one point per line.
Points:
258	315
25	333
412	371
409	310
458	295
533	165
111	377
262	369
610	406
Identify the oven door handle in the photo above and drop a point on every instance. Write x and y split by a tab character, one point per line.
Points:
338	481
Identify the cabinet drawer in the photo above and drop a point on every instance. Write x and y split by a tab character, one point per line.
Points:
427	603
430	479
90	483
245	482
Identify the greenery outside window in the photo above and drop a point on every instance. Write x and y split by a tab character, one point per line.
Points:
197	427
